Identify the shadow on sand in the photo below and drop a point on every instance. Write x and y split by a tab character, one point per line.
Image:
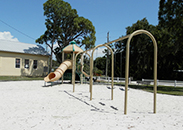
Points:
94	108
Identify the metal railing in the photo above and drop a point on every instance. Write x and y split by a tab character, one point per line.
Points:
174	83
107	80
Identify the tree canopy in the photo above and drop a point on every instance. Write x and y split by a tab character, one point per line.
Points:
141	51
64	25
171	22
168	34
171	18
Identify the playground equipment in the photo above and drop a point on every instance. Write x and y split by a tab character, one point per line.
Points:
87	76
53	76
130	36
127	65
91	70
72	50
67	64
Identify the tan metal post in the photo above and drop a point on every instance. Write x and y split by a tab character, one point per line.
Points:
62	61
127	66
81	75
74	73
73	66
112	72
91	75
83	65
126	76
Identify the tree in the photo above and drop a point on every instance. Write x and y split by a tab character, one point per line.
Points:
63	26
171	17
86	62
55	64
171	21
100	64
168	34
141	50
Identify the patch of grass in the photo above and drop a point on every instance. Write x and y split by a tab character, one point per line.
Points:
120	83
19	78
171	90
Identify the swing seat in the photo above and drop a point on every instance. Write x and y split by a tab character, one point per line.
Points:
87	78
95	79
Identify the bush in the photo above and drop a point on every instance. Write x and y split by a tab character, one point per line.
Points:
99	72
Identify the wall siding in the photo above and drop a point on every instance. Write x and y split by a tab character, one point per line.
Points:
7	64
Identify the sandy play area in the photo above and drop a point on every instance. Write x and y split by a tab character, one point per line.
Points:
27	105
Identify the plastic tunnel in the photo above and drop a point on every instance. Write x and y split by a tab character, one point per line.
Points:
57	74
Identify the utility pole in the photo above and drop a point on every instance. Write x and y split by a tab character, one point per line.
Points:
107	55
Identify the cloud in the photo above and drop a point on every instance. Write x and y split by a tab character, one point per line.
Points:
7	36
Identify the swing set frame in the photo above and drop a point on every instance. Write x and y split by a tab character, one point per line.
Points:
130	36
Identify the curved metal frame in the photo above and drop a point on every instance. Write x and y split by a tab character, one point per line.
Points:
91	70
127	66
130	36
75	67
82	66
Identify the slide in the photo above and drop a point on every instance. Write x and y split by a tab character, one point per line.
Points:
57	74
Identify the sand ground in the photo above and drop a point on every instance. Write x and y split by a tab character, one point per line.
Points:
27	105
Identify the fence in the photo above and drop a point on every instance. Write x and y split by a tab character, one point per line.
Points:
174	83
107	80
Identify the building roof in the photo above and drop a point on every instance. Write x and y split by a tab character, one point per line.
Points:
19	47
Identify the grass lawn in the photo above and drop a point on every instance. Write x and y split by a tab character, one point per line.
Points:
171	90
19	78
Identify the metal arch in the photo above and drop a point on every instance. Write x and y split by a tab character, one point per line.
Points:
82	61
82	66
74	75
127	63
127	66
91	70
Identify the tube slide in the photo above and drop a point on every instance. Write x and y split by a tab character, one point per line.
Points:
57	74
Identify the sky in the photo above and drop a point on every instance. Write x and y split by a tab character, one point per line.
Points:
23	20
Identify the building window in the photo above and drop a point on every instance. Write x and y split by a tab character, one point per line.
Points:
35	64
45	69
17	63
26	63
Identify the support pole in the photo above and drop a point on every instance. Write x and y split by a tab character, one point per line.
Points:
74	74
126	77
81	75
112	76
62	61
73	68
